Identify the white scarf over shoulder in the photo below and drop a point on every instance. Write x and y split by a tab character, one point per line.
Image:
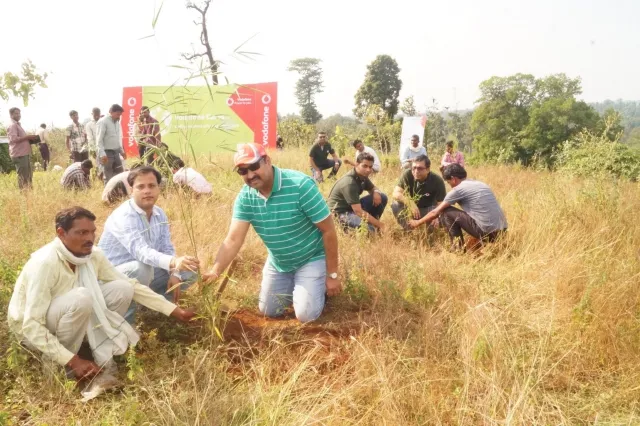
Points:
108	333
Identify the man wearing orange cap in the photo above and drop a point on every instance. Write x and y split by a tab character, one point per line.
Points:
289	214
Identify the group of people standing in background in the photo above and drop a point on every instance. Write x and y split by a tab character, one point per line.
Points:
99	140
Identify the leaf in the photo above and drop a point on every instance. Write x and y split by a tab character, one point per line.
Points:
155	19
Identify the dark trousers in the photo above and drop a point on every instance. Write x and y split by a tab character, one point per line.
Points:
45	154
329	164
351	220
456	220
404	215
79	157
375	211
25	171
144	149
113	166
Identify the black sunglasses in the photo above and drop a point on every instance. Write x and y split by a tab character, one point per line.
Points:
253	167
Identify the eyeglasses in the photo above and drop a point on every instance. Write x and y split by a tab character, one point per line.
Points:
253	167
419	169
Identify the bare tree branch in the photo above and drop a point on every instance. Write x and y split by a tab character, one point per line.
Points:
192	56
204	40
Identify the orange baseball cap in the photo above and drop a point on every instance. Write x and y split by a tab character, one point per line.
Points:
248	153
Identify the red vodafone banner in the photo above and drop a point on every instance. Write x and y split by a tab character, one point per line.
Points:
255	105
131	102
208	119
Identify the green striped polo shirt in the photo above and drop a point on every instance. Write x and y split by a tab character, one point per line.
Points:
286	220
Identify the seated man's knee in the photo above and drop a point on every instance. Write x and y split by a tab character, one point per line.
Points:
308	309
137	270
123	291
308	315
83	300
397	207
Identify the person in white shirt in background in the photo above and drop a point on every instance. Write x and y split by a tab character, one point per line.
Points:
92	139
188	177
414	150
117	189
68	291
360	148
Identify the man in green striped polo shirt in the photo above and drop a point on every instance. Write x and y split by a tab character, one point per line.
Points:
289	214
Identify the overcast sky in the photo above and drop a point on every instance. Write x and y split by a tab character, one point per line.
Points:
92	49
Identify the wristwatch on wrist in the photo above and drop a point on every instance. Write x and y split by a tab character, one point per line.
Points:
333	275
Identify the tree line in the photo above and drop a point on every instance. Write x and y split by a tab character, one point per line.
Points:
517	119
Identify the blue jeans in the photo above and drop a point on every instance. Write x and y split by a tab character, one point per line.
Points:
154	278
351	220
304	287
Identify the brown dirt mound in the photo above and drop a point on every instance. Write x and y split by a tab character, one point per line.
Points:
248	333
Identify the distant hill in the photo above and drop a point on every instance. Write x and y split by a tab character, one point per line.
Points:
630	111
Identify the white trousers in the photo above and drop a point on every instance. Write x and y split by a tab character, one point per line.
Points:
68	315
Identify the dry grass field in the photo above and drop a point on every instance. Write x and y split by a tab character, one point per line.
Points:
540	329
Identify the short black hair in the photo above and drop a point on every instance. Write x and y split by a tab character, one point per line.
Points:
144	108
144	170
116	108
96	109
364	156
178	163
454	170
65	218
415	137
450	144
422	159
86	164
356	142
44	126
12	110
73	111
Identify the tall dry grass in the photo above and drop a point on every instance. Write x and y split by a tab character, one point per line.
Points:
542	329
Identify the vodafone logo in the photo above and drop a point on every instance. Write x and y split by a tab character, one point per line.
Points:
131	101
266	99
230	101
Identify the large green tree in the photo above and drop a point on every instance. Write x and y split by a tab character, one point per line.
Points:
524	119
22	85
308	86
381	87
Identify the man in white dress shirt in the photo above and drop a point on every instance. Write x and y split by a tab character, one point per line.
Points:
360	148
136	239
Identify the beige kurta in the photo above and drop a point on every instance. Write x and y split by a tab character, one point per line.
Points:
45	277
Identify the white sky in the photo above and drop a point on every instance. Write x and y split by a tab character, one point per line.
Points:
445	49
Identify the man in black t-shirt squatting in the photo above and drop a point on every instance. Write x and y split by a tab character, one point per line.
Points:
318	158
417	192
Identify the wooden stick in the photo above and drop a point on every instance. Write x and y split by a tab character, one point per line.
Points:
225	280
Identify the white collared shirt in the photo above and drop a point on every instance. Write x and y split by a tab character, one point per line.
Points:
129	236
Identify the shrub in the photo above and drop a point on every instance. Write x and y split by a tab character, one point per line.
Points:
595	155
